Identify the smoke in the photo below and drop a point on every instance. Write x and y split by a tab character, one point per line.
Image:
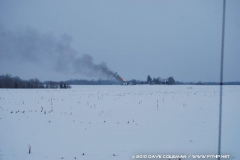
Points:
86	61
30	46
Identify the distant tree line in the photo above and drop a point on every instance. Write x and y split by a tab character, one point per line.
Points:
52	84
7	81
91	82
152	81
207	83
170	80
149	80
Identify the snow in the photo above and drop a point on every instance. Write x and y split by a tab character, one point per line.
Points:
125	121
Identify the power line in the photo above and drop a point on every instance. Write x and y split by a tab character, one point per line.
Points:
221	81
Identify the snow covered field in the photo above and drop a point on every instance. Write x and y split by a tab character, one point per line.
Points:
117	122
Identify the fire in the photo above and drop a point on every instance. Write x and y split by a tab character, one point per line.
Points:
122	79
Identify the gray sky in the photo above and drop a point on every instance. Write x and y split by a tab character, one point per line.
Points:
135	38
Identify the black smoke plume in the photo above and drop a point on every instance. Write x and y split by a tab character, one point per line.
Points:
30	46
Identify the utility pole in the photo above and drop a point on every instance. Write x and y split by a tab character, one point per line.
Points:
221	81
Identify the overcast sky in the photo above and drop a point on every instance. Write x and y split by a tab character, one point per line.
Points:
135	38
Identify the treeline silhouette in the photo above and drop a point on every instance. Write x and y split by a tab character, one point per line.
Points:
91	82
7	81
